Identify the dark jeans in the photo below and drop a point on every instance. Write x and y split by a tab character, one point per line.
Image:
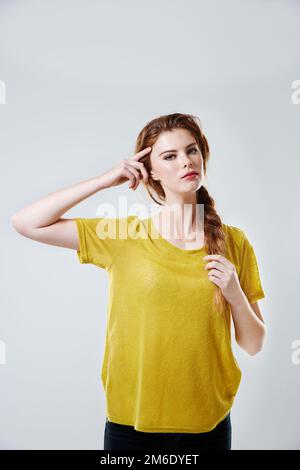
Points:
120	436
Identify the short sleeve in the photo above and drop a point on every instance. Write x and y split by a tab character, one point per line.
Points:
248	273
100	240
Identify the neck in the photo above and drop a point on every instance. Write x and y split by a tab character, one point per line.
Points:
181	217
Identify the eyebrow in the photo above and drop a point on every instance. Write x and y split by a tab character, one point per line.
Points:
193	143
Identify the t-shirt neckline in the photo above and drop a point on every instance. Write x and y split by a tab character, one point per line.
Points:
168	245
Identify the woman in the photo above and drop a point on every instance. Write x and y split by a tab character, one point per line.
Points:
169	373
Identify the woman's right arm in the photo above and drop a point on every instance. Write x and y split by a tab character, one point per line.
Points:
42	220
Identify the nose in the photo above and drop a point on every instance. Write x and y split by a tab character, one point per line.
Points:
186	161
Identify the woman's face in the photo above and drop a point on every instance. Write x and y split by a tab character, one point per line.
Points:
173	155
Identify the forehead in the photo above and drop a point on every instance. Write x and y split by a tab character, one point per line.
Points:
175	139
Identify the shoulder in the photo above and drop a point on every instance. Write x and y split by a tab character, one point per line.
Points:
240	249
234	235
127	227
138	228
107	227
237	244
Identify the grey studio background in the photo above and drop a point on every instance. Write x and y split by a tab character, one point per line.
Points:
79	81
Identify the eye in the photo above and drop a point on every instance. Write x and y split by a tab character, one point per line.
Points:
172	155
169	156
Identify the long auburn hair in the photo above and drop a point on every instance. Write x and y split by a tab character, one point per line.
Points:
213	230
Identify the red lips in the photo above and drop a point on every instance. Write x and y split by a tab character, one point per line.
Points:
190	173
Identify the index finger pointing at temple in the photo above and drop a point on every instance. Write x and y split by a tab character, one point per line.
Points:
140	154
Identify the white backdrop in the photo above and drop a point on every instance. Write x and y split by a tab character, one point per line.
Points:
81	80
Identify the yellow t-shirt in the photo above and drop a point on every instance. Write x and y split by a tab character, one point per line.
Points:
168	364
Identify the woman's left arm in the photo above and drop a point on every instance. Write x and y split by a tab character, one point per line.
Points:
250	329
